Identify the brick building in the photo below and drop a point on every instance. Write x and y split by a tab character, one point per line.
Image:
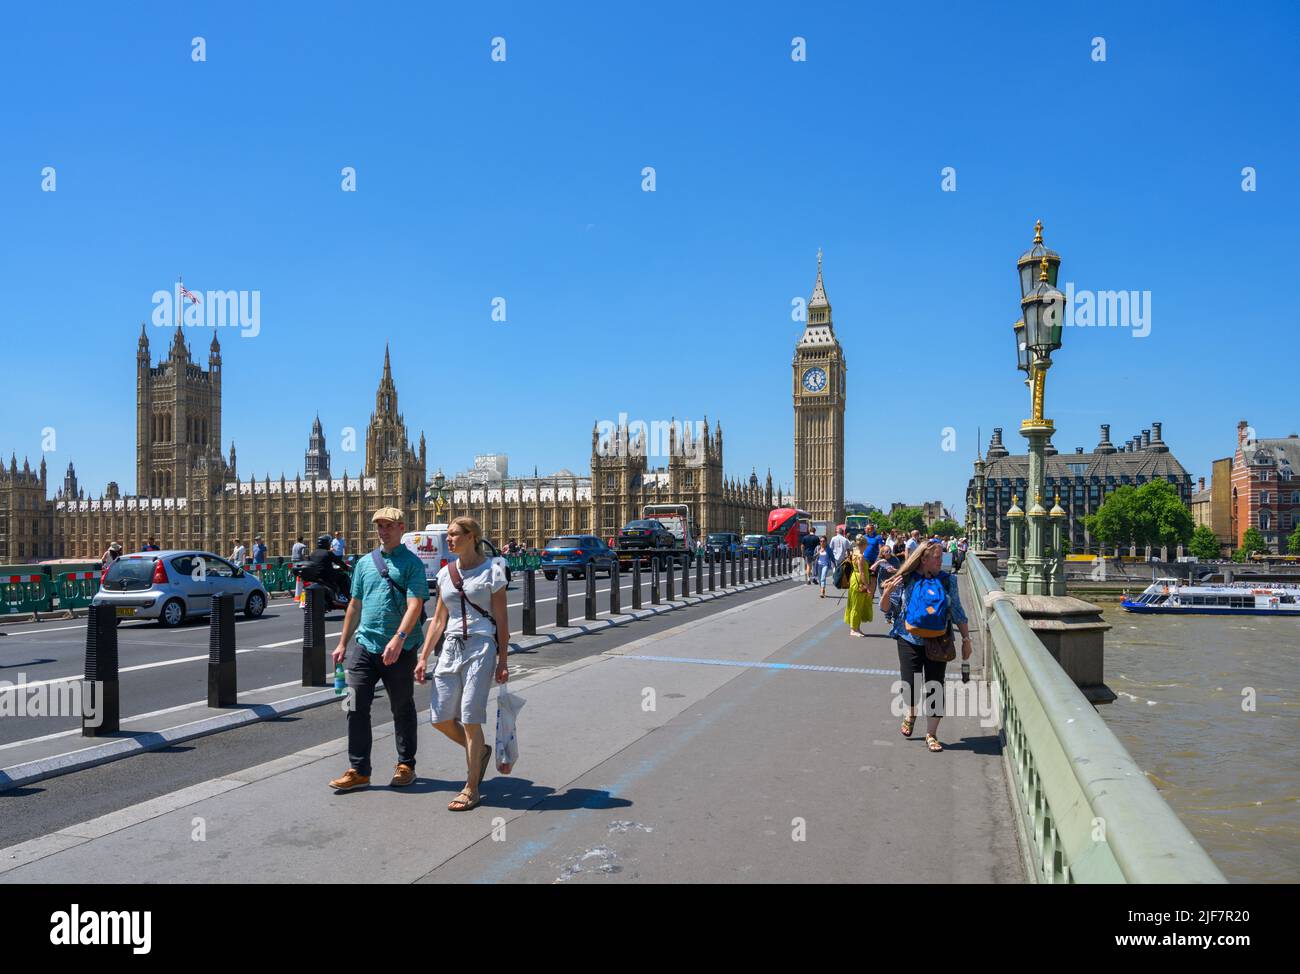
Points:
1265	487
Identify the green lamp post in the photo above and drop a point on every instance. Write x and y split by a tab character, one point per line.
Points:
1038	334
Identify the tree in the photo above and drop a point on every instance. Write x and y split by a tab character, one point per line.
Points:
882	522
1293	542
1204	545
1152	514
945	528
1253	542
907	520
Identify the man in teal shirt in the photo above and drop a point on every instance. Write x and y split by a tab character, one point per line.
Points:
384	613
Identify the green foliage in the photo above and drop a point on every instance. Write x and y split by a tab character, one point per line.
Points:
1204	545
1239	555
907	520
1253	542
1293	542
1152	514
882	522
946	529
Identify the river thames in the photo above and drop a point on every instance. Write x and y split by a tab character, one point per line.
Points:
1230	771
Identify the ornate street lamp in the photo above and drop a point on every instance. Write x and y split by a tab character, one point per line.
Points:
1038	335
437	494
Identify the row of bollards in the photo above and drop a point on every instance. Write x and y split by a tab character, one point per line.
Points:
101	623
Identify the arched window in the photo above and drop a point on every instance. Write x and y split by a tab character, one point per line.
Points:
1263	497
1265	520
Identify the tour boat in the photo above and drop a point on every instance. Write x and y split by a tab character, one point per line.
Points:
1170	595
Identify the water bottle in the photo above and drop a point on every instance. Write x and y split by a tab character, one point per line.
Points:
341	680
965	672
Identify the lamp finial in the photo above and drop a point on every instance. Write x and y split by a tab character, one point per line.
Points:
1038	232
1042	274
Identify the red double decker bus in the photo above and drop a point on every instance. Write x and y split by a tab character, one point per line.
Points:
790	524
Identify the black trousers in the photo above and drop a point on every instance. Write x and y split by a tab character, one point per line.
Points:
919	676
365	670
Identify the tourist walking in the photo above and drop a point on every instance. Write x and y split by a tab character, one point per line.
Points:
298	553
858	608
338	545
812	544
884	568
150	544
825	565
839	546
472	615
238	554
913	541
259	551
926	606
112	554
388	593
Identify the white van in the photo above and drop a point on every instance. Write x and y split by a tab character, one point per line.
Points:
430	546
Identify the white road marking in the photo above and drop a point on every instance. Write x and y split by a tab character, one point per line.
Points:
152	713
124	669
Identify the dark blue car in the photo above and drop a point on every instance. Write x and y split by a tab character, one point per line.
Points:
573	552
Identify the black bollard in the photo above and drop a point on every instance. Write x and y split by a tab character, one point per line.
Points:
636	582
591	591
313	638
562	599
669	585
530	602
686	579
654	580
731	557
699	575
101	673
615	594
221	652
712	579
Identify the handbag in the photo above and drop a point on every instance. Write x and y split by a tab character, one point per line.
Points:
941	649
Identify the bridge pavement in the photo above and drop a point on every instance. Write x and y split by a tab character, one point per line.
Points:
748	768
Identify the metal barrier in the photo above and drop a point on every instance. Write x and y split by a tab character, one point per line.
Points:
1089	813
76	589
23	594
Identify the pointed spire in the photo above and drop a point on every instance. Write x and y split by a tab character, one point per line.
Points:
144	338
388	368
818	299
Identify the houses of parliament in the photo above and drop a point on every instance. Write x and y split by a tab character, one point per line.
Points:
190	495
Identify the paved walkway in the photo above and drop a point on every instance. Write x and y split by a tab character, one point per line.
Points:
770	755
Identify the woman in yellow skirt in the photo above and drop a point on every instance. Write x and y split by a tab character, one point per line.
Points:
858	609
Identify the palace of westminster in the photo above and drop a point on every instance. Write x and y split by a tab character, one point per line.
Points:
193	497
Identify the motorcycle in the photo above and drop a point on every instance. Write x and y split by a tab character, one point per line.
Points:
335	600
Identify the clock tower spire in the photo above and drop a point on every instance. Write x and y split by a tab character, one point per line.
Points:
819	394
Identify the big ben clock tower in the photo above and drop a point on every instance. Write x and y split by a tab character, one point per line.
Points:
819	393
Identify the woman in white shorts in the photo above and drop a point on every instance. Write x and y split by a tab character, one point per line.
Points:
472	613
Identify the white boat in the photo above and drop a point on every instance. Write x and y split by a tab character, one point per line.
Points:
1171	595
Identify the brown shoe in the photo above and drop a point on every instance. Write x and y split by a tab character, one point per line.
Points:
403	775
351	780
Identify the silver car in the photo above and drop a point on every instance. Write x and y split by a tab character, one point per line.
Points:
171	586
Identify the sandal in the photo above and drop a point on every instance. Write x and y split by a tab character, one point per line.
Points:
908	724
933	744
464	803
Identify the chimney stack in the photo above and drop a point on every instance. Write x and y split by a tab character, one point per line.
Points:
1146	439
1078	449
1202	487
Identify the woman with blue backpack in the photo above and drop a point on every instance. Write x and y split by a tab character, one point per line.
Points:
924	601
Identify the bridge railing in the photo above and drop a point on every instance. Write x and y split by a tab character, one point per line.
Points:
1088	812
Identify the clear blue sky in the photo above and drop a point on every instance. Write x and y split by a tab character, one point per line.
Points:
522	179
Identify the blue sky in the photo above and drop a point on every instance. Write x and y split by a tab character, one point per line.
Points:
521	179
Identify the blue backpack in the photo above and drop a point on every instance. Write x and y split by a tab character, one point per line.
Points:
927	607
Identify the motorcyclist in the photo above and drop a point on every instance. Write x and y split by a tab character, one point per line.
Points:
324	566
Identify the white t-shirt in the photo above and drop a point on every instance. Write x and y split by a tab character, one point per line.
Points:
911	544
839	547
479	584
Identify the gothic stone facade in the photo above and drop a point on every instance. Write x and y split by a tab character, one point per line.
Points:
208	506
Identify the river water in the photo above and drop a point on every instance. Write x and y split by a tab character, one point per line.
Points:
1231	773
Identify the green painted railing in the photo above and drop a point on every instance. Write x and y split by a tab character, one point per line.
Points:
1087	810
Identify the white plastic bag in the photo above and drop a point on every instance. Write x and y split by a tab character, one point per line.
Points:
507	747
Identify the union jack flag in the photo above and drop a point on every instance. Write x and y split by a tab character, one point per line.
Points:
194	299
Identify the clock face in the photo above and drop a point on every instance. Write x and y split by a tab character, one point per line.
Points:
814	380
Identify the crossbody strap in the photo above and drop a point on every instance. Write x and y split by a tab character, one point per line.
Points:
453	572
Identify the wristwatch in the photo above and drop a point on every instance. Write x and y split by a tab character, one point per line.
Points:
401	634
